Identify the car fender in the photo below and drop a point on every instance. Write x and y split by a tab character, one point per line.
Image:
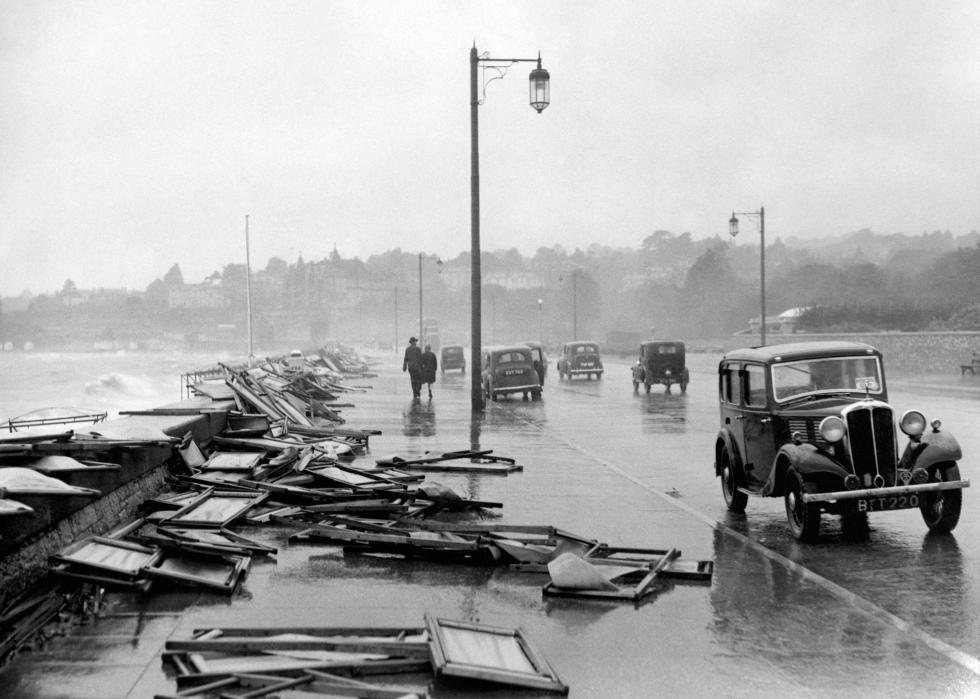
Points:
932	448
811	462
726	441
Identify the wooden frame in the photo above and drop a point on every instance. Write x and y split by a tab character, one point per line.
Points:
629	587
217	572
246	461
119	557
216	508
455	647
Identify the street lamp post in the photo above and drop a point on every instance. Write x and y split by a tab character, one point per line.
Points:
540	96
248	297
540	334
733	231
421	326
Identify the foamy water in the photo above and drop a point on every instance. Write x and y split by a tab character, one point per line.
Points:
94	381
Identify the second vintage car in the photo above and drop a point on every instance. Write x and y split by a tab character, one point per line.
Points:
509	369
452	357
663	362
810	422
579	358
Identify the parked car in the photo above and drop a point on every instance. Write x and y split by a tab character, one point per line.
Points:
810	422
663	362
509	369
540	360
452	357
580	358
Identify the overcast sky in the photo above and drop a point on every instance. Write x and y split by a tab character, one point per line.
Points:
135	135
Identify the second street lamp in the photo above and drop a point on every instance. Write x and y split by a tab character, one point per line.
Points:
733	231
421	324
540	98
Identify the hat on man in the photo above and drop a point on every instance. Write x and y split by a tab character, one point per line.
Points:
413	339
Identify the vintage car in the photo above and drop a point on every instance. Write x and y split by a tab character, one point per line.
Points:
580	358
810	422
452	357
509	369
663	362
540	360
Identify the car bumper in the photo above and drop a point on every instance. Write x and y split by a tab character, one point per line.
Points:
884	492
585	371
517	389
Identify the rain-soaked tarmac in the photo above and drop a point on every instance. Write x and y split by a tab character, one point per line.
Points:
895	614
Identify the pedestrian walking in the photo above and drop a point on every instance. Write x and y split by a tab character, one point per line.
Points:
412	363
429	366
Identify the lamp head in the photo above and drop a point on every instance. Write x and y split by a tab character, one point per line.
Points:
733	225
540	87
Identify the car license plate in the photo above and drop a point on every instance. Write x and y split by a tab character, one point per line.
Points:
513	372
890	502
586	364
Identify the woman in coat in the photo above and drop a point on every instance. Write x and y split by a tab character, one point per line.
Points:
429	366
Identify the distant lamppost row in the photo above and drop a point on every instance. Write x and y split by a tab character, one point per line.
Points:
421	326
540	334
733	231
540	98
248	297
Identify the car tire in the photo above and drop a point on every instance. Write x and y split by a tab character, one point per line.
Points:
535	395
803	518
683	386
647	387
941	509
735	499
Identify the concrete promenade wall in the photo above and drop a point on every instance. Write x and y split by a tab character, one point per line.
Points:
905	353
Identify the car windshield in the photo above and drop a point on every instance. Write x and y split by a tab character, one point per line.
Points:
827	375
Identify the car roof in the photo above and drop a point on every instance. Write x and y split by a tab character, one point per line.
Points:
530	343
506	348
650	343
801	350
581	342
452	346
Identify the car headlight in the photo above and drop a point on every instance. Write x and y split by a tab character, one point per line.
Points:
913	423
832	429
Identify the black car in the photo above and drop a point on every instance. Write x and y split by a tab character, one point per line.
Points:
810	422
579	358
452	357
663	362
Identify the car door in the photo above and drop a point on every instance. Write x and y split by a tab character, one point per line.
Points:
730	398
757	427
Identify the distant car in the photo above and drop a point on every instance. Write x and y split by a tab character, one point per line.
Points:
451	358
509	369
580	358
810	422
663	362
540	360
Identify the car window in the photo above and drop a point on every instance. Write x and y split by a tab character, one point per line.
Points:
586	349
730	386
511	357
755	385
667	349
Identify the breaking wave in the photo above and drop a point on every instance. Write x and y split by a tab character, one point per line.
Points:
120	385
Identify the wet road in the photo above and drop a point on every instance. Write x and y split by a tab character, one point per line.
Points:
893	615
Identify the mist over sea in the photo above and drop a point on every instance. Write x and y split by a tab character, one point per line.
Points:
96	381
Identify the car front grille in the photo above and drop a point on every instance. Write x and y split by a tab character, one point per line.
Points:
871	442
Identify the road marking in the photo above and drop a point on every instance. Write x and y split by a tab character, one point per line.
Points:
952	653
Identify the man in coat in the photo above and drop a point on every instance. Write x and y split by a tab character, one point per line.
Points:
413	365
429	366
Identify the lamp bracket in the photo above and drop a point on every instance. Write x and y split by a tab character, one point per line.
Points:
499	66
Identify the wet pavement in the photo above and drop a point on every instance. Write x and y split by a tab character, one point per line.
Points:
891	615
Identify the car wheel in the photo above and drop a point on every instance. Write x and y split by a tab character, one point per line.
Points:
803	518
535	395
647	387
735	499
941	509
683	387
598	377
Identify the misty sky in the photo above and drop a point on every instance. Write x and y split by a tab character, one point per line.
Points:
135	135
